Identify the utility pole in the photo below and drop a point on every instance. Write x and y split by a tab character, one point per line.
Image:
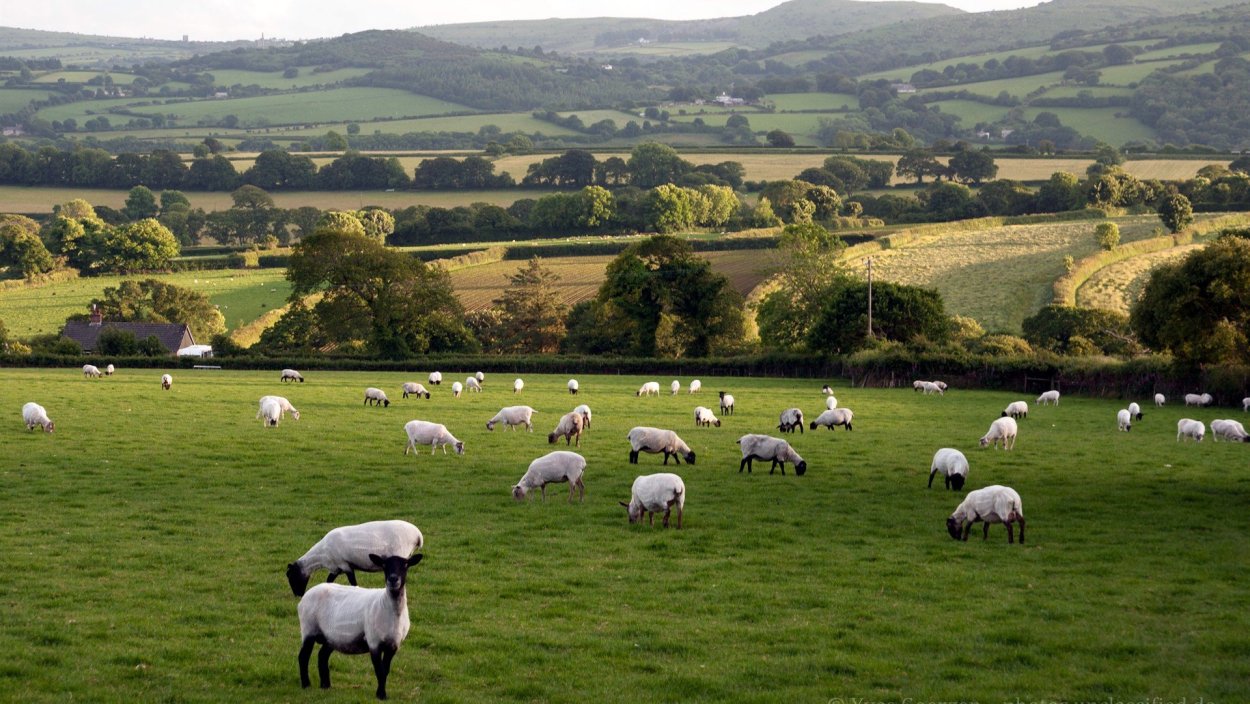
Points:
869	298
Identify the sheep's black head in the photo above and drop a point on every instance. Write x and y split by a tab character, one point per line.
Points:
551	438
717	423
490	425
301	380
460	447
427	395
634	510
800	468
1139	415
396	570
1004	414
297	579
386	402
952	527
690	457
518	493
957	482
812	425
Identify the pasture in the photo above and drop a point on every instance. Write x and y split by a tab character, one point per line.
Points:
1118	285
152	530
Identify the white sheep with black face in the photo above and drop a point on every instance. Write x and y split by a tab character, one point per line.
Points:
1016	409
1160	399
651	388
953	467
1190	429
1124	420
108	371
833	418
33	414
695	386
932	387
573	387
726	403
653	493
456	389
704	417
436	378
831	402
284	404
291	375
553	468
517	385
656	441
512	416
1001	430
435	435
90	371
414	388
790	420
586	414
1228	429
345	549
1134	410
376	397
993	504
775	450
472	384
675	387
270	413
167	381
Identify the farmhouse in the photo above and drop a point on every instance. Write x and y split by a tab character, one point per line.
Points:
172	336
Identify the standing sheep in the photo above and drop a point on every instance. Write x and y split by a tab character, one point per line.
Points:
1198	399
953	467
790	419
765	447
456	389
726	403
1190	429
931	387
166	381
1160	400
436	378
704	417
652	493
270	413
826	390
1048	397
553	468
695	386
472	384
291	375
1135	411
651	388
512	416
1017	410
656	441
346	549
413	388
1245	405
108	371
284	404
1124	420
573	387
33	414
480	376
918	385
569	428
435	435
834	417
376	397
993	504
1002	430
1228	429
517	386
90	371
585	411
831	402
675	387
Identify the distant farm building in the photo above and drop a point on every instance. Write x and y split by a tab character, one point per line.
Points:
172	336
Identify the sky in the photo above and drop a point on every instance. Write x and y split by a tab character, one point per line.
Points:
221	20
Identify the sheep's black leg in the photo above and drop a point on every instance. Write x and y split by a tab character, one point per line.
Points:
967	530
1022	530
305	652
332	576
382	668
665	457
676	457
351	577
933	472
1011	538
746	462
633	457
986	536
323	665
667	510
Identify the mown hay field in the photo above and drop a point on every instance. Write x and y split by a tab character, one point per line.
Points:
1117	286
156	527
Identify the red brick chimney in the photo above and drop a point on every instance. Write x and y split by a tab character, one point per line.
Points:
97	318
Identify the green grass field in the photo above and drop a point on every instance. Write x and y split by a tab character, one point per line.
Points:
274	80
121	79
1101	123
1018	86
150	532
14	99
1117	286
814	101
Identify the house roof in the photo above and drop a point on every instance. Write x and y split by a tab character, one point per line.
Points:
173	336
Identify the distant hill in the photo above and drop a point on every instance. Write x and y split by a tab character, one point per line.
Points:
797	18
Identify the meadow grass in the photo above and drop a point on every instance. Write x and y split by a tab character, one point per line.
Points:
1018	86
274	79
971	112
1117	286
814	101
1179	50
149	536
121	79
13	100
1101	123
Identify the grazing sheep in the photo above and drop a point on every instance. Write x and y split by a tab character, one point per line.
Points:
652	493
108	371
376	397
33	414
1198	399
480	377
1001	430
456	389
1245	405
1228	429
726	403
1135	411
766	447
585	411
655	441
569	428
436	378
826	390
1017	410
270	413
291	375
918	385
1189	428
831	402
573	387
651	388
675	387
90	371
166	381
472	384
284	404
953	467
1124	420
553	468
931	387
704	417
517	386
346	549
940	384
993	504
1160	400
435	435
1048	397
412	388
695	386
790	419
512	416
353	620
832	417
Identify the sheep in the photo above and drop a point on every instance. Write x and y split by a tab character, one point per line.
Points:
480	377
513	416
1124	420
553	468
993	504
1245	405
573	387
953	467
585	411
918	385
675	387
412	388
376	397
108	371
569	428
652	493
346	549
1002	429
826	390
931	387
1048	397
435	435
1160	399
695	387
33	414
90	371
1135	411
166	381
517	386
1017	410
291	375
1198	399
270	413
1189	428
832	417
649	389
1228	429
655	441
790	419
471	383
726	403
283	404
436	378
704	417
831	402
766	447
941	385
352	620
456	389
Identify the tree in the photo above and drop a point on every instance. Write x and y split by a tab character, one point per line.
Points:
113	342
651	164
973	166
808	269
1108	235
899	313
1061	192
140	204
21	250
1117	54
377	223
155	301
1065	329
779	138
918	163
531	314
137	246
1176	212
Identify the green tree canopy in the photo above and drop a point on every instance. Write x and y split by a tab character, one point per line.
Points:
899	313
531	312
155	301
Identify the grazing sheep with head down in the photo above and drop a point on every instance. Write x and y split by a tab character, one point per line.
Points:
346	549
480	377
1017	410
473	385
435	435
726	403
456	389
90	371
512	416
831	402
573	387
569	428
953	467
675	387
918	385
651	388
993	504
1134	410
353	620
931	387
291	375
1228	429
1002	430
1124	420
436	378
826	390
652	493
656	441
695	386
834	417
553	468
775	450
704	417
790	419
284	404
1160	399
1190	429
376	397
585	411
270	413
1048	397
517	386
166	381
33	414
108	371
413	388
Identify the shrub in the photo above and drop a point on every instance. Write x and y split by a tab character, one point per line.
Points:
1108	234
115	343
1000	345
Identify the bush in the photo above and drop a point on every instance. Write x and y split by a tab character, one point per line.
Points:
116	343
243	260
1108	234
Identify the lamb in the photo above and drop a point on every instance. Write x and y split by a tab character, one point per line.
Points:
108	371
766	447
553	468
832	417
675	386
569	428
826	390
655	441
376	397
352	620
283	404
517	386
270	413
1198	399
90	371
456	389
726	403
1190	428
931	387
1001	430
435	435
573	387
1228	429
1124	420
831	402
649	389
652	493
291	375
953	467
1017	410
993	504
166	381
480	377
513	416
1135	411
791	418
1048	397
346	549
703	417
1159	400
412	388
585	411
918	385
436	378
695	386
33	414
471	383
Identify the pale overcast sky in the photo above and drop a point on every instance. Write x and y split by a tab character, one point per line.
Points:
215	20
